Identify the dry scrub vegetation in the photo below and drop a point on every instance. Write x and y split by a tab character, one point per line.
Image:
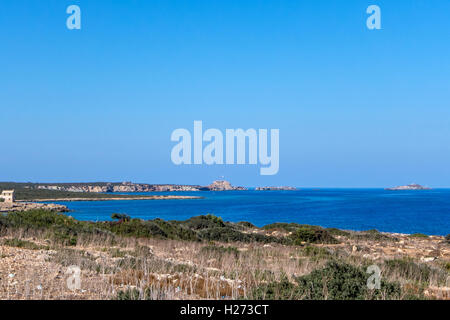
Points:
206	258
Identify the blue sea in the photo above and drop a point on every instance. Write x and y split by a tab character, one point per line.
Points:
425	211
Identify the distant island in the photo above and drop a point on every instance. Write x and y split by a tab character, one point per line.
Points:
275	188
412	186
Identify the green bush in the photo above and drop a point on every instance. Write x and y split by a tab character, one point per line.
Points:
66	230
120	217
373	235
316	253
338	232
340	281
418	235
289	227
229	234
336	281
246	224
447	238
281	290
134	294
311	234
23	244
203	222
408	269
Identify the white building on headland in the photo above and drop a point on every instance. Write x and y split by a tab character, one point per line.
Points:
7	196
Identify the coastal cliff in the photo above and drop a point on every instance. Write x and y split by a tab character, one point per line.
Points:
219	185
122	187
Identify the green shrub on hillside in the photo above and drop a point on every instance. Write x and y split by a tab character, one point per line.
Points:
338	232
146	294
203	222
408	269
156	228
311	234
23	244
336	281
373	235
231	235
66	230
418	235
246	224
289	227
120	217
316	253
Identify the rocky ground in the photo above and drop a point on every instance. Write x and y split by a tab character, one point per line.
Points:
34	269
24	206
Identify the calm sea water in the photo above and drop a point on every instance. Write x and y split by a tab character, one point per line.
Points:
426	211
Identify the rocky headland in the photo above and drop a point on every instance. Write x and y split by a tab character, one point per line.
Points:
25	206
130	187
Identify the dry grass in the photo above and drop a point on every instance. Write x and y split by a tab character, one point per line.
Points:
168	269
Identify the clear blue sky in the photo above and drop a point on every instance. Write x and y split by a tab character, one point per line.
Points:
355	108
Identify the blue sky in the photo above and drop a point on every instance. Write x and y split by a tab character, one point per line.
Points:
355	108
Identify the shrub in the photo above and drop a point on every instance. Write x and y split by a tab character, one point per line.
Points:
282	290
418	235
336	281
228	234
447	238
340	281
120	217
338	232
66	230
316	253
373	235
156	228
408	269
23	244
312	234
289	227
246	224
146	294
203	222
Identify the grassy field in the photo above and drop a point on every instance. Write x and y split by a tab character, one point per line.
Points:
206	258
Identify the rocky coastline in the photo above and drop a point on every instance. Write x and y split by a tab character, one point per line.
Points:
25	206
130	187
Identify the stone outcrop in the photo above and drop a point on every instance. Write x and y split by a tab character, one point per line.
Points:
221	185
25	206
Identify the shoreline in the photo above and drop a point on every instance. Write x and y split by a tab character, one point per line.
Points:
163	197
